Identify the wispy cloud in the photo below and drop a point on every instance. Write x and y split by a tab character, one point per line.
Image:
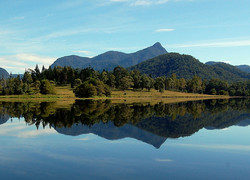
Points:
18	18
223	43
164	30
217	146
70	4
20	62
35	133
84	52
119	0
34	58
164	160
142	3
83	139
148	2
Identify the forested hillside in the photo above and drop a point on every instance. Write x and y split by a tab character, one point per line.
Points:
186	66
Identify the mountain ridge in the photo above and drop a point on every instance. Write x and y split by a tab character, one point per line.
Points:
110	59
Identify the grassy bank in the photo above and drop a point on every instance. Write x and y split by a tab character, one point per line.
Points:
65	95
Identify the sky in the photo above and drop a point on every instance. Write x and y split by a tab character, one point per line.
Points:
39	32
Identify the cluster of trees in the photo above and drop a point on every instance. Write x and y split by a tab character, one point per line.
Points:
89	82
28	84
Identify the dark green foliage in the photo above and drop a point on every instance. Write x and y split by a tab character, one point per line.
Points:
85	90
92	88
126	82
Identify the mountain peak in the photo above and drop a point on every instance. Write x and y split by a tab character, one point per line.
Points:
157	44
159	47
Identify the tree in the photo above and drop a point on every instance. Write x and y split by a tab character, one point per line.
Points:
147	82
85	90
46	87
195	85
126	82
77	82
111	80
36	85
159	84
136	76
92	87
183	84
119	72
213	91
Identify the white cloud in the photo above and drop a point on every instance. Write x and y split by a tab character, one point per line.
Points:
164	30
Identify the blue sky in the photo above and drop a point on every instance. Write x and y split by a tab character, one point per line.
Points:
39	32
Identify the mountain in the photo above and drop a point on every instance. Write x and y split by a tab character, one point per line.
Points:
244	68
187	66
3	73
109	60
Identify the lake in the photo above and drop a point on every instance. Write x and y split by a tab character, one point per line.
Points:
206	139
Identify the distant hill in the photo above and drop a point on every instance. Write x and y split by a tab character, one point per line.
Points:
187	66
3	73
244	68
111	59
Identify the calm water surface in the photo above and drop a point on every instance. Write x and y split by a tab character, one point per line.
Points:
101	140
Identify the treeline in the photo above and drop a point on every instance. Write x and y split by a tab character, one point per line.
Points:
89	82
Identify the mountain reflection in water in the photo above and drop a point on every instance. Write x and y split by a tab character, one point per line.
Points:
152	124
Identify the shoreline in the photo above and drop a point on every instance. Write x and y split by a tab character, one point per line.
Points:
65	94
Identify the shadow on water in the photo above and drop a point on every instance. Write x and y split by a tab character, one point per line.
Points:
152	124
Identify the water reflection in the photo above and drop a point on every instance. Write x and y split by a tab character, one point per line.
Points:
149	123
